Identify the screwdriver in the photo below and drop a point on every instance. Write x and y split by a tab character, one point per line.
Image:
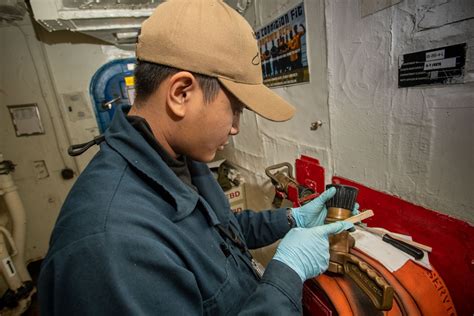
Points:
403	246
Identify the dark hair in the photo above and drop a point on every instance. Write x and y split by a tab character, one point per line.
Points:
149	76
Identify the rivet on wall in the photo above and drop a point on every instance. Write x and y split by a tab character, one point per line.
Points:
316	125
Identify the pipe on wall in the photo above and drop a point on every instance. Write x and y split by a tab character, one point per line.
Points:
18	216
6	266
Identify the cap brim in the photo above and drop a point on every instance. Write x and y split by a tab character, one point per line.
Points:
260	99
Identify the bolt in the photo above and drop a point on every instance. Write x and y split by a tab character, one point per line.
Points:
316	125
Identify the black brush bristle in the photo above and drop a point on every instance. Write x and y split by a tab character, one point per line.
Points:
345	196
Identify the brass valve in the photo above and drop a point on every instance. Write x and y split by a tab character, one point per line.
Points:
280	178
286	186
342	262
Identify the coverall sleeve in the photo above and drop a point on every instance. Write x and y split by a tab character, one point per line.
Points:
111	274
278	293
263	228
117	276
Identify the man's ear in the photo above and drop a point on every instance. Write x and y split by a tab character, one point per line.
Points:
182	86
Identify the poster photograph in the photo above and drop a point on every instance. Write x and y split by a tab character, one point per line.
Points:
283	52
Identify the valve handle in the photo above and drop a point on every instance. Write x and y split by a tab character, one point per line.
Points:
369	281
279	166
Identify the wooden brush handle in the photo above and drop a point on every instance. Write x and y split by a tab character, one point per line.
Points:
359	217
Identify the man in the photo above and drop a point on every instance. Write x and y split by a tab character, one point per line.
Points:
274	58
266	65
282	53
146	230
296	57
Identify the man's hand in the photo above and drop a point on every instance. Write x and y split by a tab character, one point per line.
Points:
312	214
306	250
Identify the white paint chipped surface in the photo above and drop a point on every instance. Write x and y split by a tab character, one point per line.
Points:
413	142
24	79
416	143
262	143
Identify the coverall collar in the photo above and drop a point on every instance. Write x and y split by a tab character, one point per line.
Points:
127	141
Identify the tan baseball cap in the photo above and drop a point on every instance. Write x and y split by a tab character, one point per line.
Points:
210	38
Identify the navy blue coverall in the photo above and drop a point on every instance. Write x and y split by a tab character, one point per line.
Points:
133	239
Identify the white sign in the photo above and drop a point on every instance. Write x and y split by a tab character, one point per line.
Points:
438	64
437	54
8	266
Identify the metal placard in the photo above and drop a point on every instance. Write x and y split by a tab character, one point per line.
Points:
26	119
443	65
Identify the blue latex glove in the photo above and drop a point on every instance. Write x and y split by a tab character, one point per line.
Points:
306	250
312	214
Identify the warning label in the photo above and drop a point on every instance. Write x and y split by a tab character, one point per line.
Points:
443	65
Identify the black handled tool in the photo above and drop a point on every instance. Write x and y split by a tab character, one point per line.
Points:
403	246
397	243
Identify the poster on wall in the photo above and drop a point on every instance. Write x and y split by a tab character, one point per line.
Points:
283	52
